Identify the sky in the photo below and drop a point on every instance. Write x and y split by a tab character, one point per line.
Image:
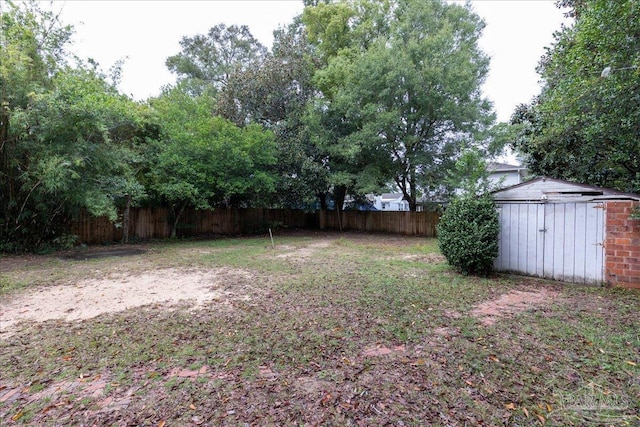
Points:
144	33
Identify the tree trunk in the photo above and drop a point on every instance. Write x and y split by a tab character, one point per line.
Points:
412	199
125	220
175	222
322	198
339	194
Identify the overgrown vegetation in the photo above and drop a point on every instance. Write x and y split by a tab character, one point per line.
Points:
322	330
293	127
468	233
584	124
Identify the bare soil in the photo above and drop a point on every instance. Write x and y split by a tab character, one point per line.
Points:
119	292
223	345
512	303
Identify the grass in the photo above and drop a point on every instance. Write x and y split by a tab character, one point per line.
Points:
289	347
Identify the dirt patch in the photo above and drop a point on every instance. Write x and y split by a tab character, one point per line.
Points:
380	350
428	258
121	252
512	303
93	297
303	253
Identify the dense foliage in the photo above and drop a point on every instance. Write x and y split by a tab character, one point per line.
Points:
585	124
295	126
399	92
468	234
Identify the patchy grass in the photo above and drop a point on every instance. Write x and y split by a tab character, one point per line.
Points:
324	330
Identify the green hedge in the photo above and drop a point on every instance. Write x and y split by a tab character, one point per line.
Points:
468	234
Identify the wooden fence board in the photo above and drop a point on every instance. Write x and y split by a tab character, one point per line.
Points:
405	223
153	223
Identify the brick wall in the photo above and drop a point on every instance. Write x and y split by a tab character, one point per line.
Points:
622	246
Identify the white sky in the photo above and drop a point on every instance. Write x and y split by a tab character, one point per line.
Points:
145	32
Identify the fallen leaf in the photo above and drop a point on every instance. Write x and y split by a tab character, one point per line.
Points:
541	418
325	399
17	416
510	406
161	423
629	362
469	383
192	407
525	412
601	350
419	362
549	408
494	359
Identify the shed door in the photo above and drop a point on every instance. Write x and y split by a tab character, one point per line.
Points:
560	241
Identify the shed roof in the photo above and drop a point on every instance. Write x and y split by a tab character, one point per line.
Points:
558	191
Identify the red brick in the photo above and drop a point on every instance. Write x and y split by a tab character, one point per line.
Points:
627	285
622	240
623	253
611	260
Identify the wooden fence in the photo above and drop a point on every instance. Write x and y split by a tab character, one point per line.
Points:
405	223
151	223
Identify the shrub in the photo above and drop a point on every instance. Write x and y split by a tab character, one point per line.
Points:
468	234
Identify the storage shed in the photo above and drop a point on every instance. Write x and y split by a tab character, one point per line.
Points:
569	232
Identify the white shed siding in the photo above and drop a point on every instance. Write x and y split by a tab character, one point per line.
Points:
560	241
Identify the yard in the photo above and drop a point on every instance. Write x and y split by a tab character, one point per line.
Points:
322	329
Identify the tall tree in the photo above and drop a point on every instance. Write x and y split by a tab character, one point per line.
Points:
585	124
274	93
400	94
73	147
206	62
204	161
32	44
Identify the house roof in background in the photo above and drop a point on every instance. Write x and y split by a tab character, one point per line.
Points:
392	196
504	167
545	189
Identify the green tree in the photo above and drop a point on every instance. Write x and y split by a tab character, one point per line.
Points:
274	93
400	92
584	125
204	161
206	62
74	148
68	138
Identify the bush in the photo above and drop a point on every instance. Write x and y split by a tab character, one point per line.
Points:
468	234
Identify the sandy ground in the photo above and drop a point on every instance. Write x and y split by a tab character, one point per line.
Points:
168	287
90	298
512	303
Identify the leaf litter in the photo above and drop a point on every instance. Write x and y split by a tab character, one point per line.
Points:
343	344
